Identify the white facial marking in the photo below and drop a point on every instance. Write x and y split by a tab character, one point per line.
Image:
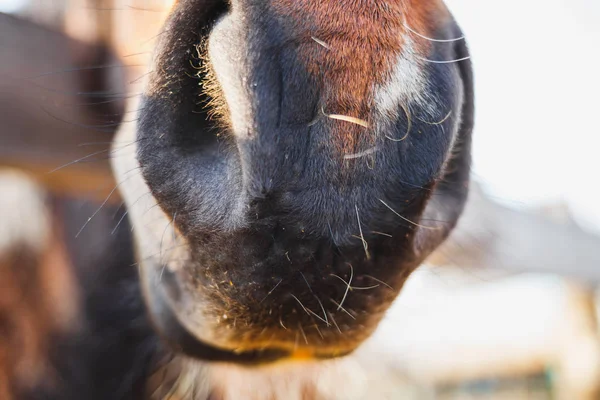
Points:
406	83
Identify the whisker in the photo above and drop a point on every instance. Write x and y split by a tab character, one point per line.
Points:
305	280
408	127
361	154
140	77
408	220
444	61
323	309
362	238
381	234
112	142
94	93
90	68
101	205
163	237
308	310
318	330
174	231
93	144
346	118
97	128
347	286
177	246
299	302
414	185
87	157
162	271
312	313
281	323
364	288
117	210
152	38
303	334
271	291
331	233
97	103
143	9
150	208
340	278
137	54
342	308
78	160
432	39
379	280
126	8
436	123
335	323
322	43
119	223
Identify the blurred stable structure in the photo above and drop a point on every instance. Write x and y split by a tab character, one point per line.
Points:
504	310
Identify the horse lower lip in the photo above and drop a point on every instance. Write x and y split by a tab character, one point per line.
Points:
183	341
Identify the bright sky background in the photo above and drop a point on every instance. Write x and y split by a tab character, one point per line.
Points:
537	65
9	6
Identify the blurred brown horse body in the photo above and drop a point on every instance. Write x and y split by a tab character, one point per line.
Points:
289	164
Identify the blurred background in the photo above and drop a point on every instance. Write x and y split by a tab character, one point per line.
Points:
537	95
507	309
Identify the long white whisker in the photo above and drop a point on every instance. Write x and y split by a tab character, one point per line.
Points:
408	126
432	39
101	205
362	238
444	61
347	287
408	220
342	308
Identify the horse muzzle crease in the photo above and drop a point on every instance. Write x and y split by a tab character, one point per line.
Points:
340	160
